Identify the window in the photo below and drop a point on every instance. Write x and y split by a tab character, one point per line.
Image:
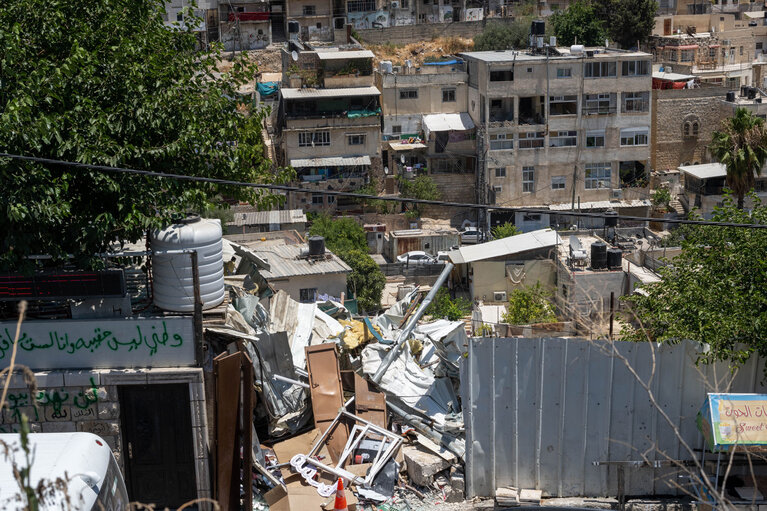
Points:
563	138
759	46
355	139
499	141
308	295
502	76
599	69
695	129
599	103
635	102
448	95
531	140
712	53
313	138
404	4
179	16
408	94
741	50
317	199
396	129
310	10
319	25
598	175
635	68
497	188
360	5
331	199
595	138
563	105
528	179
634	136
500	172
558	182
686	55
564	72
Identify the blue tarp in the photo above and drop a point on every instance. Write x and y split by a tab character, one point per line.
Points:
267	89
445	63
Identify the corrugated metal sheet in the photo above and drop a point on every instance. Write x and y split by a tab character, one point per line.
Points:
539	412
506	246
286	216
329	93
603	204
330	161
342	55
287	261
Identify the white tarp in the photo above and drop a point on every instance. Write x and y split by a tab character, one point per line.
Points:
447	122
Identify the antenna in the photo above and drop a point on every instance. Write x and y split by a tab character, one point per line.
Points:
294	55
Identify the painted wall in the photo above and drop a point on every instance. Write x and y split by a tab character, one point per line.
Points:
491	276
331	284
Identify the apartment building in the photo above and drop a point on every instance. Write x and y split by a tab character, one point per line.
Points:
328	123
245	25
311	20
568	127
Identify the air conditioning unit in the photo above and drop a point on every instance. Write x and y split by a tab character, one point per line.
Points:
499	296
395	5
497	188
617	194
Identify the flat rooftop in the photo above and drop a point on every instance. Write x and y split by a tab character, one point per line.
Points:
523	56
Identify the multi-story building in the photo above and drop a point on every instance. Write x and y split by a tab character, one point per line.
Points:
245	25
312	19
568	128
426	126
329	123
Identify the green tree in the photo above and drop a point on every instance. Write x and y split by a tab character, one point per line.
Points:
366	279
445	307
501	36
530	305
421	187
628	21
505	230
341	234
578	23
741	146
105	82
714	292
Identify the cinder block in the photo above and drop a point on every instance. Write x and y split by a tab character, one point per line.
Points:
49	379
458	483
108	411
123	377
422	465
100	428
59	427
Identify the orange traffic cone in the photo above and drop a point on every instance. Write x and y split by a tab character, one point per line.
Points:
340	504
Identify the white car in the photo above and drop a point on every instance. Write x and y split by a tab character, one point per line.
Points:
471	235
416	257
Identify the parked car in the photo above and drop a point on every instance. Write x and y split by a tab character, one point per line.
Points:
416	257
471	235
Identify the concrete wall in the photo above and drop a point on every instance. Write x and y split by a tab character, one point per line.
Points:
87	401
491	276
339	142
410	33
332	284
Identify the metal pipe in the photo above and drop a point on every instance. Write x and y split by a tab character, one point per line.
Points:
405	333
289	380
451	444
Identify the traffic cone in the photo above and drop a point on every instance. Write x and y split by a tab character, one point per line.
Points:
340	504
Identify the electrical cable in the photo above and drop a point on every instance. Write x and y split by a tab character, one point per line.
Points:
287	188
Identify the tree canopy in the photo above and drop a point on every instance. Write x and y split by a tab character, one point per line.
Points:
530	305
107	82
448	308
505	230
741	145
500	36
714	292
578	23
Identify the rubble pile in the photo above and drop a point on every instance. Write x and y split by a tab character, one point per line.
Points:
372	401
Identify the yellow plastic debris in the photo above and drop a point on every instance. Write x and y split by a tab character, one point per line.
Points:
355	333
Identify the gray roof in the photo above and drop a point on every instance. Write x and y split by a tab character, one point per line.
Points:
341	55
286	216
508	56
705	170
286	261
330	161
329	93
505	246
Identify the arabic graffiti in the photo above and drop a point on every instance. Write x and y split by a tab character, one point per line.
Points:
153	339
52	402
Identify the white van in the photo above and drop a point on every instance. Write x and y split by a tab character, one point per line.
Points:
83	460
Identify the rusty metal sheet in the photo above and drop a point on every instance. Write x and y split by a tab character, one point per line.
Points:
369	404
327	394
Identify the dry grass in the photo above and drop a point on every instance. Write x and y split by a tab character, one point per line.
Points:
419	52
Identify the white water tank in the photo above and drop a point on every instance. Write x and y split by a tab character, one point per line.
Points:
576	49
173	285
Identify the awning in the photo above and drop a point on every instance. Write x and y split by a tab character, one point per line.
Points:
330	93
447	122
399	146
343	55
683	47
705	170
331	161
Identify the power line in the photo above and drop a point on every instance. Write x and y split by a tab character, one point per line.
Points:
286	188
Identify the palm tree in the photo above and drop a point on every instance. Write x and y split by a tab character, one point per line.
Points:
742	147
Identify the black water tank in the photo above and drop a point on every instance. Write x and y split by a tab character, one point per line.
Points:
598	255
743	91
611	218
538	27
731	96
614	258
752	93
316	245
293	27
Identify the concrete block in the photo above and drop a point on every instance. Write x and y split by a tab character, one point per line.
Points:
111	442
49	379
174	375
108	411
458	483
422	465
82	378
57	413
60	427
88	413
100	428
123	377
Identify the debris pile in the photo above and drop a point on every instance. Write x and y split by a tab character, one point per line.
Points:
370	401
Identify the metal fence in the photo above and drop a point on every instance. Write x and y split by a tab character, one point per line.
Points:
411	270
540	412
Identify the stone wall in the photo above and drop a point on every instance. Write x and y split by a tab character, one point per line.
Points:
671	109
427	31
452	188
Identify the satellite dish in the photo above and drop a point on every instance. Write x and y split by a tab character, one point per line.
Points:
294	55
402	158
386	170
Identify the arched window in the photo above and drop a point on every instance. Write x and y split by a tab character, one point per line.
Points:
695	128
686	129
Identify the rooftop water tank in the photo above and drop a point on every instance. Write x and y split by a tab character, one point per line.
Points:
316	246
614	258
576	49
598	255
173	287
386	67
